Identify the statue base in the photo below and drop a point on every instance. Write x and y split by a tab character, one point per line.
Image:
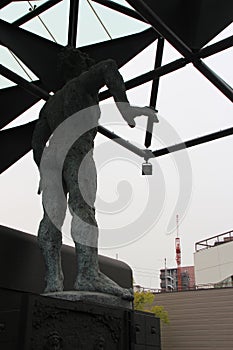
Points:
33	322
92	297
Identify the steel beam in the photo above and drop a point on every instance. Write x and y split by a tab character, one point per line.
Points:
73	23
36	12
158	62
205	52
180	46
22	102
216	47
174	65
4	3
161	27
14	144
193	142
23	83
214	79
154	90
146	77
121	9
112	136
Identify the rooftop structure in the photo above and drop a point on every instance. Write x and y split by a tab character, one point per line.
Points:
213	260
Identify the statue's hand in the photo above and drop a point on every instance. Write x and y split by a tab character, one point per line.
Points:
129	113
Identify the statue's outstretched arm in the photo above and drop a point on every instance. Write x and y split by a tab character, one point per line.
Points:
107	73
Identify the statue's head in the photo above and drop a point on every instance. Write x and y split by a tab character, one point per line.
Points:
72	62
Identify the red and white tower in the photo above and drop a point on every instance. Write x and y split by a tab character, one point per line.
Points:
178	255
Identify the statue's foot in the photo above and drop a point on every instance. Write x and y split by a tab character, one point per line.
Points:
102	284
54	285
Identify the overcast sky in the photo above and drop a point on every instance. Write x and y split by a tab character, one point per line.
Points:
189	106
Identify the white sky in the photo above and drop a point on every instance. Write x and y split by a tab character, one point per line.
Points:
188	104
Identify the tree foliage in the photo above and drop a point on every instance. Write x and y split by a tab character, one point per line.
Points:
143	301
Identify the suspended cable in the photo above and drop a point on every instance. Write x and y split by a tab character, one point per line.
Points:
15	57
20	64
99	19
32	8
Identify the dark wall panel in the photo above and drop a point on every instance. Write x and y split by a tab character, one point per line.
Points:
22	266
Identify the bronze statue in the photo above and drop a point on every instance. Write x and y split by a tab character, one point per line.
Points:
82	80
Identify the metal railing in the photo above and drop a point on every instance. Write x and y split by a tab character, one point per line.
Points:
214	241
189	289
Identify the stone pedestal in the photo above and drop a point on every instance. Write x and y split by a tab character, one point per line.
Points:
34	322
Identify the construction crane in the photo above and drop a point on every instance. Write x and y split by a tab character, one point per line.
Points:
178	255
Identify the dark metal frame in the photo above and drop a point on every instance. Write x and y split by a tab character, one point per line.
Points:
73	23
181	47
36	12
154	90
119	8
4	3
166	33
175	65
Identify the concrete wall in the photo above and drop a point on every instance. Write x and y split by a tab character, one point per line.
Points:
199	320
214	264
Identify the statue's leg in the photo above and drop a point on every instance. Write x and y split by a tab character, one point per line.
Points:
50	238
84	230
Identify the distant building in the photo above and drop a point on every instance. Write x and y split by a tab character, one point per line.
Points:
213	260
169	279
137	288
